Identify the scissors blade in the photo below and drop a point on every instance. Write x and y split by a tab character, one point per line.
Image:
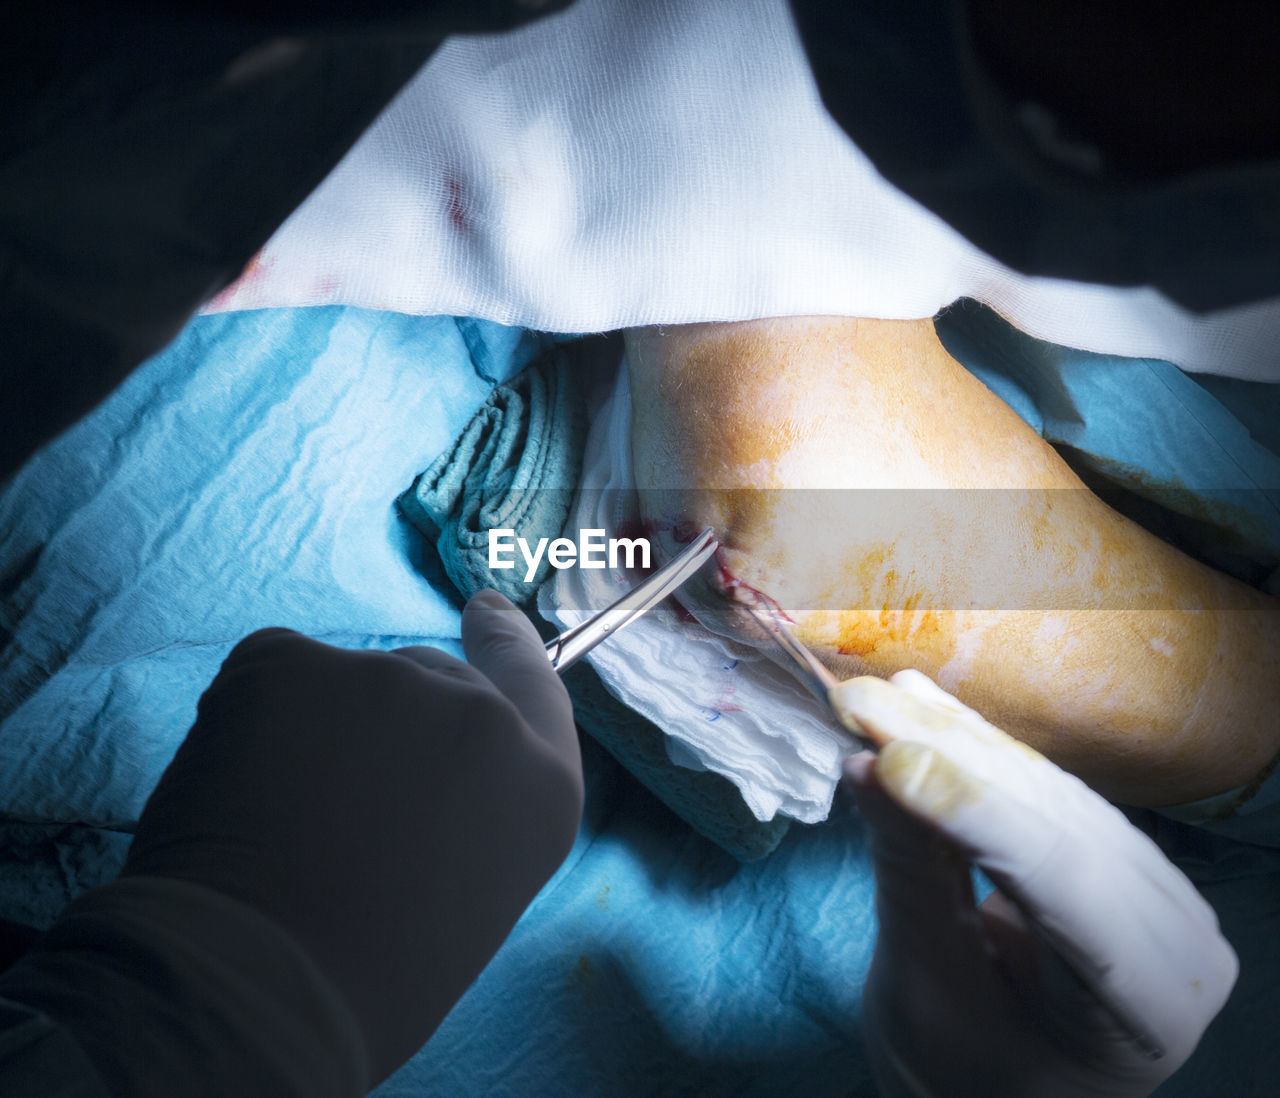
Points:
815	674
571	645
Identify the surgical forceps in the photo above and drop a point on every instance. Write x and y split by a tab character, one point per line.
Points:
575	642
814	673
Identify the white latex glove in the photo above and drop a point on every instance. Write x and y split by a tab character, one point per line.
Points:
1092	970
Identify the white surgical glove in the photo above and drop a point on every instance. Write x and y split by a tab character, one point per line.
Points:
1094	968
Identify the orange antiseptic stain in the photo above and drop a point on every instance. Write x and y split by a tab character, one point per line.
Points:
709	402
888	612
1040	529
870	567
890	630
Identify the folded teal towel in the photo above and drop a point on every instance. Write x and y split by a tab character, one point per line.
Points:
515	466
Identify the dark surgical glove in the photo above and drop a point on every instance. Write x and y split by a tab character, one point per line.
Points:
388	816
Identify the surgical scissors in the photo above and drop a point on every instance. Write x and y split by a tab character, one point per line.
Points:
815	674
575	642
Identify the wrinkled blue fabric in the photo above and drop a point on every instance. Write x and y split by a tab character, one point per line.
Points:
246	477
1197	459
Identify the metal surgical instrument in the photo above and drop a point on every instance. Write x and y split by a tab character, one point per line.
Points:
575	642
815	674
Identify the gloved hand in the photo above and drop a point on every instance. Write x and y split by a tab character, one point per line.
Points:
393	813
1092	970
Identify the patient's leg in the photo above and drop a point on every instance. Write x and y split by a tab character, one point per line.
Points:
1149	674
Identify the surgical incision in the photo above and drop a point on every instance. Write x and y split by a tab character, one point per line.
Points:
903	516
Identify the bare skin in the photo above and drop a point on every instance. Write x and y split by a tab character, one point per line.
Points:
904	516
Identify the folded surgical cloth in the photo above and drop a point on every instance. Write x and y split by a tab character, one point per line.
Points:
514	467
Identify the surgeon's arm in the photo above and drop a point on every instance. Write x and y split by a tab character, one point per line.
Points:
338	848
905	516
